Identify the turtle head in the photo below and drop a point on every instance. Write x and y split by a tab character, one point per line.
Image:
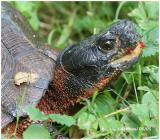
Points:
100	55
91	64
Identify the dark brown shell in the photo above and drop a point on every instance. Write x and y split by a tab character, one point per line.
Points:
21	52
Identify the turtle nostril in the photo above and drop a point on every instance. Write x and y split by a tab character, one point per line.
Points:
142	44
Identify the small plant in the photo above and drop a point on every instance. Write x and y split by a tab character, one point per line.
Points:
40	131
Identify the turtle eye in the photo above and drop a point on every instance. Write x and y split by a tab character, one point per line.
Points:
107	46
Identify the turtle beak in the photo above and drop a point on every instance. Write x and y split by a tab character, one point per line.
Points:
129	59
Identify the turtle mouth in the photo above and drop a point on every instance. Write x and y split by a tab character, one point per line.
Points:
126	58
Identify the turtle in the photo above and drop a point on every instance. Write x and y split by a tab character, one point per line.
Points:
59	80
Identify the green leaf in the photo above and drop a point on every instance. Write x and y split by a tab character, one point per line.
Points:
87	121
153	73
150	50
149	91
63	119
150	123
138	13
144	88
29	10
25	6
130	120
103	124
151	40
146	15
109	124
141	111
50	37
36	131
64	36
127	77
104	103
83	117
34	21
82	23
148	98
34	113
146	111
147	25
151	102
152	9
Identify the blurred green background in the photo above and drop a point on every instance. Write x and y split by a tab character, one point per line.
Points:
136	102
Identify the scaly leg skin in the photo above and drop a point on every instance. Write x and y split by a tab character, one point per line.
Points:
11	132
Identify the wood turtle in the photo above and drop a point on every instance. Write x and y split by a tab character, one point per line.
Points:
34	74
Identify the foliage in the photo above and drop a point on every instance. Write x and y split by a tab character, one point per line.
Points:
129	109
63	119
35	115
30	10
36	131
146	16
39	131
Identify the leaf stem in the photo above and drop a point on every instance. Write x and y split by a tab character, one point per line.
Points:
119	96
139	78
20	104
135	88
118	9
117	112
